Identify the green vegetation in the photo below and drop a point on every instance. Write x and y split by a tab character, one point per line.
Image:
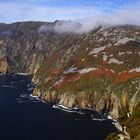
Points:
112	136
132	125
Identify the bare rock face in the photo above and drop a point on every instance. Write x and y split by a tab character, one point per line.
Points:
23	46
99	69
3	65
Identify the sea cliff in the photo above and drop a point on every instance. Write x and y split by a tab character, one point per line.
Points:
98	70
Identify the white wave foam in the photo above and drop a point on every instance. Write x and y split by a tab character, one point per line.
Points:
37	98
7	86
64	108
96	119
21	74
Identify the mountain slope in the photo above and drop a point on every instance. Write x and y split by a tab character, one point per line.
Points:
103	63
98	70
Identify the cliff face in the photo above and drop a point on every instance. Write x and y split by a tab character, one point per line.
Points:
3	65
24	46
99	69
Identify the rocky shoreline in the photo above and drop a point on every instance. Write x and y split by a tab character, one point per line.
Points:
98	70
89	113
93	115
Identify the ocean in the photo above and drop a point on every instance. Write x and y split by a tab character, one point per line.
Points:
23	117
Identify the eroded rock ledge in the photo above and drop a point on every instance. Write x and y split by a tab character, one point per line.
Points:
101	103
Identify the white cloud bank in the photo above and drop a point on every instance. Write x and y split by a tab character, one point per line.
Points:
127	15
88	17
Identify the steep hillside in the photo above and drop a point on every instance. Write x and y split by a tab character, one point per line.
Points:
98	70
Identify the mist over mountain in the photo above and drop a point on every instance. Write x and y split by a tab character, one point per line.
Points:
127	16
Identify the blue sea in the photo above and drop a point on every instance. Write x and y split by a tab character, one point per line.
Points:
23	117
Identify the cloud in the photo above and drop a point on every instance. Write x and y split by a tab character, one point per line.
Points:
128	15
84	18
12	12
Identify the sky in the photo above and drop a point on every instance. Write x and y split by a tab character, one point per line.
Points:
51	10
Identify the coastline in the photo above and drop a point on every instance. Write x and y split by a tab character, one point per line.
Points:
122	133
104	117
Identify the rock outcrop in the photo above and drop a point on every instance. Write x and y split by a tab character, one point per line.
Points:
99	69
3	65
